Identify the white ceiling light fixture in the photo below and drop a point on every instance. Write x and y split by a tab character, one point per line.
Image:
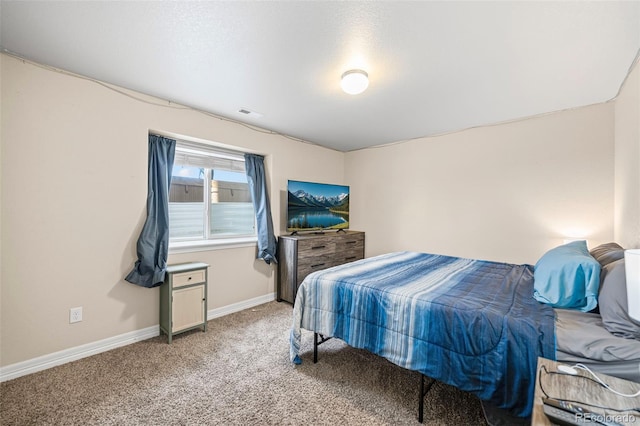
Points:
354	81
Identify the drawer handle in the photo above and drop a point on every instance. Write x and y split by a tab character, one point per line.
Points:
317	247
189	279
351	242
350	258
317	264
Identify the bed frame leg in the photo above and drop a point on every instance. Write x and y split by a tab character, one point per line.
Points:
423	392
421	401
316	343
315	348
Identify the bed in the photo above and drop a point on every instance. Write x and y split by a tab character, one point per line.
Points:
469	323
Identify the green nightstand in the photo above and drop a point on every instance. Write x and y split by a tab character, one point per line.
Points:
183	298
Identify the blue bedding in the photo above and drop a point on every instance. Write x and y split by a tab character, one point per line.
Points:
469	323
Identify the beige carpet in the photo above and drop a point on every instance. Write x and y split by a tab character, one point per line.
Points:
237	373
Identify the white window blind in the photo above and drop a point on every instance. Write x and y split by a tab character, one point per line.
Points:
215	158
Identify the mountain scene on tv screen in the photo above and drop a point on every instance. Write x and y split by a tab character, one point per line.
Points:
316	211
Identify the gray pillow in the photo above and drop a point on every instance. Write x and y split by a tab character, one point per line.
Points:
607	253
613	302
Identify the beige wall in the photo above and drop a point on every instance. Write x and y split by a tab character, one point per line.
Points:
74	183
73	176
627	162
507	192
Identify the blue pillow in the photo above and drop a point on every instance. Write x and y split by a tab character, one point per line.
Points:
567	277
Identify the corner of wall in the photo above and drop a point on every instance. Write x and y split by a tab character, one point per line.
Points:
627	162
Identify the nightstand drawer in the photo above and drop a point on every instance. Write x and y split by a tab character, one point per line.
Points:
188	278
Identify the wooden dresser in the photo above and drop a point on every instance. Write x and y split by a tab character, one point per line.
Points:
299	255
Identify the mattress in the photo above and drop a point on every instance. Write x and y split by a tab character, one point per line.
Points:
582	338
468	323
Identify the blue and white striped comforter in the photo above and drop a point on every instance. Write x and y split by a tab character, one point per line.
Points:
469	323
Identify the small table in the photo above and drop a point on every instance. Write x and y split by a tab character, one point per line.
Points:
183	299
581	389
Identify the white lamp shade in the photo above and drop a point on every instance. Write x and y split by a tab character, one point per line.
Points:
632	270
354	82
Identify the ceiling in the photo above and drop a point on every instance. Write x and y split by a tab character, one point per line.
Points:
434	67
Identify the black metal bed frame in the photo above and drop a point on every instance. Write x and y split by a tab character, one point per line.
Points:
319	339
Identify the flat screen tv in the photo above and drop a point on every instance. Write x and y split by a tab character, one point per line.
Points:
313	206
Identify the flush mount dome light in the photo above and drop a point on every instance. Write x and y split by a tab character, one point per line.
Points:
354	81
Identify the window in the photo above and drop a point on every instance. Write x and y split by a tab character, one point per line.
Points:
209	198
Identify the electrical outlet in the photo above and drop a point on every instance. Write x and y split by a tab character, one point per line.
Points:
75	315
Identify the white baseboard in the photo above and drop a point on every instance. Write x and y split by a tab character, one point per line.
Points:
44	362
240	306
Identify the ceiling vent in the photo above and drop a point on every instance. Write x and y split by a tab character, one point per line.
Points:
251	113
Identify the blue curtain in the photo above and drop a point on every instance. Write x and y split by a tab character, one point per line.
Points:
153	243
258	188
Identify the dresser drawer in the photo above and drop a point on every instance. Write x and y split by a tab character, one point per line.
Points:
307	269
315	248
188	278
349	249
350	242
315	255
348	256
